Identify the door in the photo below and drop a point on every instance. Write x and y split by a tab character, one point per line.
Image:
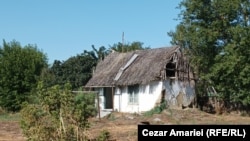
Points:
108	100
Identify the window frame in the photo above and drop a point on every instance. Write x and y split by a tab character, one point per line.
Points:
133	94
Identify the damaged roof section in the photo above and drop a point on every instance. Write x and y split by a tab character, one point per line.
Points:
126	66
136	67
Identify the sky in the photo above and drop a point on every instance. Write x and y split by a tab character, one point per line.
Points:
63	28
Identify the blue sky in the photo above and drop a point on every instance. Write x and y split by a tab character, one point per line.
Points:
63	28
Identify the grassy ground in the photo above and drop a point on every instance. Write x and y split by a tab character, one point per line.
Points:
9	117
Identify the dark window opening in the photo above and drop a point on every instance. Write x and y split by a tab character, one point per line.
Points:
170	69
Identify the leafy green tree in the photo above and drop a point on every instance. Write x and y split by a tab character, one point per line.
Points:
56	73
48	77
215	34
20	68
231	72
120	47
76	70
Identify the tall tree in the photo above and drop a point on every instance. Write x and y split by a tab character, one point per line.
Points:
76	70
215	34
20	68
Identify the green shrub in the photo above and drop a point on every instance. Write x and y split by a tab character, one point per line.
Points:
156	110
59	114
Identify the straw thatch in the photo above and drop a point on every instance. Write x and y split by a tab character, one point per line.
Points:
148	66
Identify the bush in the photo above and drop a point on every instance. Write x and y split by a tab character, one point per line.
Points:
59	115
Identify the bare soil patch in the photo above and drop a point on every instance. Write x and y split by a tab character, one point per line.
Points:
10	131
123	126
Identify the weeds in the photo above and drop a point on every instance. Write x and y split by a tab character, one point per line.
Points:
156	110
104	136
5	116
10	117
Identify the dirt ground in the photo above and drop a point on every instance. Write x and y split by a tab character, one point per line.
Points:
123	126
10	131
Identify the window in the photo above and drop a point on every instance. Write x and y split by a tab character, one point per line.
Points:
170	69
133	92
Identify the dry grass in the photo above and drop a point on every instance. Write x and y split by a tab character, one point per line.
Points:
123	126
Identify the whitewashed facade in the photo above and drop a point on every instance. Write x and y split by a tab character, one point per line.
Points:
149	96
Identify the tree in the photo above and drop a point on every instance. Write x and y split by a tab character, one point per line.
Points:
20	68
119	47
97	55
215	35
76	70
54	74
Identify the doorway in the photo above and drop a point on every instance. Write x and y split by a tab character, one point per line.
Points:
108	99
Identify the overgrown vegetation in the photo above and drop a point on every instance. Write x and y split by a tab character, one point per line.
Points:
215	36
20	68
58	115
156	110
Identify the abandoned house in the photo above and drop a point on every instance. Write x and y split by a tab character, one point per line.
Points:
138	81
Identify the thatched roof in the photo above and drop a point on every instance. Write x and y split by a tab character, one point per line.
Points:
146	67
